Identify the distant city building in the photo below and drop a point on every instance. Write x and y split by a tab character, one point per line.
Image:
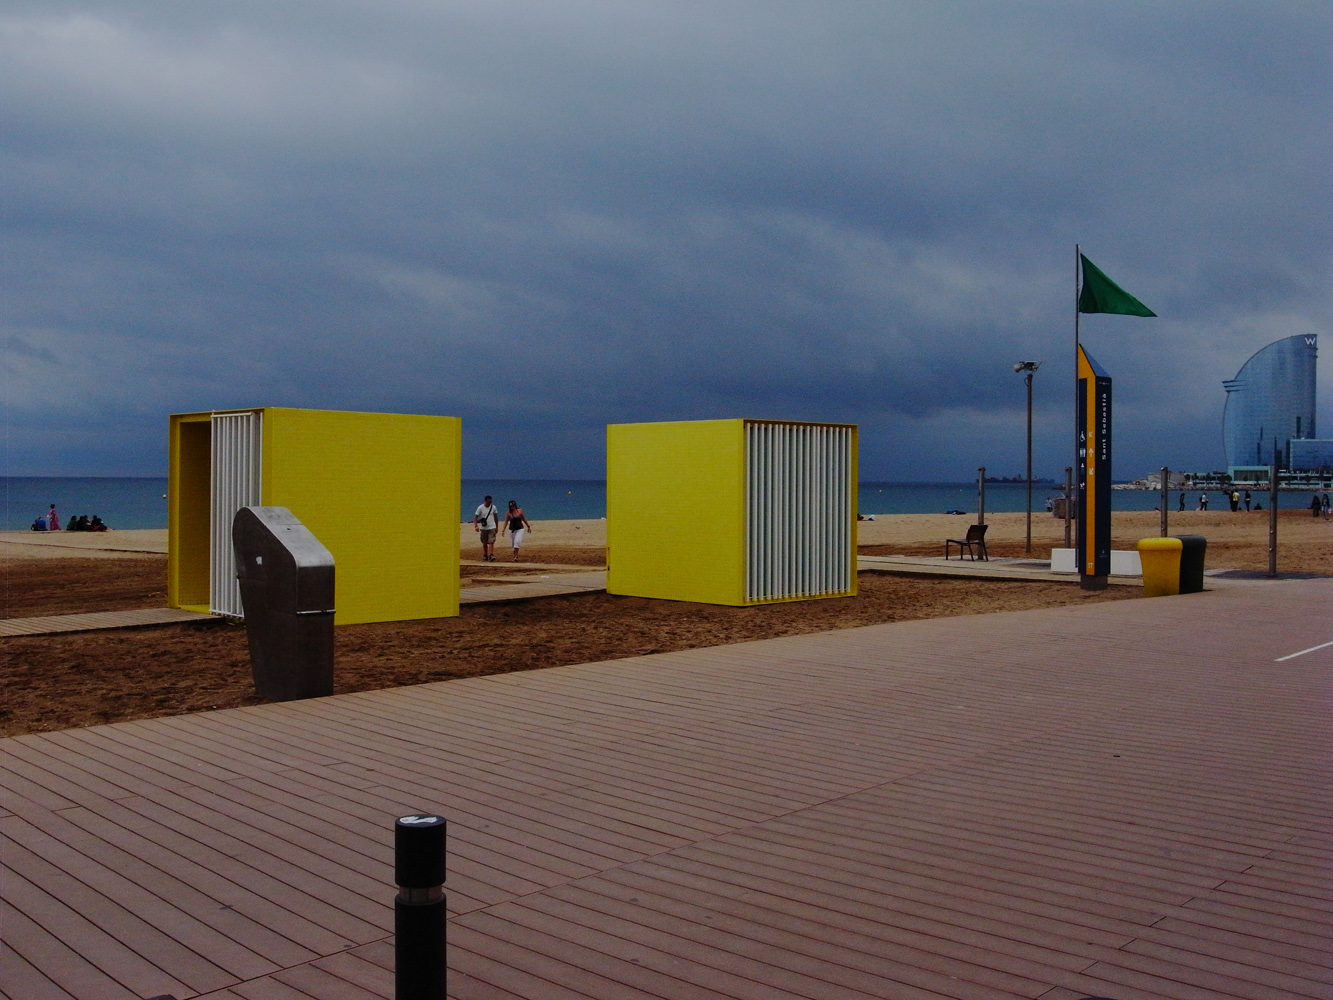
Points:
1270	404
1312	455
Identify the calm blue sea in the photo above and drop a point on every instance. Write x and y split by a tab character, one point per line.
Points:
141	502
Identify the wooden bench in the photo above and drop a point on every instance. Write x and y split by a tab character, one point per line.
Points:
974	542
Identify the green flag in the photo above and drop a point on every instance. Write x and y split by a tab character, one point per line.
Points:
1102	295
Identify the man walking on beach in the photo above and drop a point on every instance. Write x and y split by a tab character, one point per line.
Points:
485	522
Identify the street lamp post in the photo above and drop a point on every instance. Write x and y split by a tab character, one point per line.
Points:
1028	369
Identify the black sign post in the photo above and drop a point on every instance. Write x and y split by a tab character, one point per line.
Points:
1093	550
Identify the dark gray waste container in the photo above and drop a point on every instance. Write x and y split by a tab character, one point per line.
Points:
286	579
1192	550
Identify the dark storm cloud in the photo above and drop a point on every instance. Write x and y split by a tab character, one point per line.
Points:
547	217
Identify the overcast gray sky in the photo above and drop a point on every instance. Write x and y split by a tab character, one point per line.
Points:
544	217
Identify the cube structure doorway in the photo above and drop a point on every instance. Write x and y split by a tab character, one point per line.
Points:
379	490
733	512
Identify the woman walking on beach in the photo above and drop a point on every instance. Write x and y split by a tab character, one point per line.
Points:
517	526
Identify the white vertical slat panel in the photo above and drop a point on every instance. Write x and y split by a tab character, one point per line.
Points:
822	484
796	537
798	498
235	474
844	502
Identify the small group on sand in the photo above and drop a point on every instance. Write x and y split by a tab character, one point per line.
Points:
50	521
85	523
487	519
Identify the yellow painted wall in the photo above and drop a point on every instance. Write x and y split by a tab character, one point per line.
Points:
370	486
675	510
188	486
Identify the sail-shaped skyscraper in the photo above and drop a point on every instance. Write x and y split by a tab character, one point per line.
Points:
1269	402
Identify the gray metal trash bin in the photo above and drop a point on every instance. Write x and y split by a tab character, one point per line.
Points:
286	579
1192	551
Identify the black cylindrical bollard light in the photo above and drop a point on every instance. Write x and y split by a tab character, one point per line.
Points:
418	912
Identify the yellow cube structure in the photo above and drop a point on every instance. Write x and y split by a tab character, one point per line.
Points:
380	490
731	512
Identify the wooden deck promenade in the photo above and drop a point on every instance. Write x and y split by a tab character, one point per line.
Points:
90	621
1127	799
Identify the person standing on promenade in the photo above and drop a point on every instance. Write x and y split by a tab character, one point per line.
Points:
1182	500
1203	501
1235	501
516	523
1316	506
485	522
1247	499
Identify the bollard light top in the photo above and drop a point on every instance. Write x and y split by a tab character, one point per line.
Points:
419	820
418	848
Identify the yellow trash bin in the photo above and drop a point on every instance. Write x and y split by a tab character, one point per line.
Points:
1161	566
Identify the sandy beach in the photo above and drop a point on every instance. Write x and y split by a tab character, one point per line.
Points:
77	679
1236	541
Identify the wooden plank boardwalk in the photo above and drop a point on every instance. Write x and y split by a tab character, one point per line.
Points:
50	624
1127	800
543	585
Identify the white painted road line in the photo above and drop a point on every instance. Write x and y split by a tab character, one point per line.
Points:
1292	656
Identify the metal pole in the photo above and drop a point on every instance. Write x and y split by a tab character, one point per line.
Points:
419	910
1166	496
1077	256
1028	549
1069	499
981	494
1272	521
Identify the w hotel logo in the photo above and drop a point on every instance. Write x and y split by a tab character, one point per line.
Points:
1310	341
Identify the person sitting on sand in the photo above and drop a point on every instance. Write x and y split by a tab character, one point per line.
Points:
96	524
516	523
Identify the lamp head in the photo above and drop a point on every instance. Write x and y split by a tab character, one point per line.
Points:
1027	366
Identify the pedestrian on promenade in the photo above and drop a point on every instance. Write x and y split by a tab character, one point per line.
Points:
1235	501
1325	503
1203	501
485	522
1183	495
516	523
1247	499
1317	506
